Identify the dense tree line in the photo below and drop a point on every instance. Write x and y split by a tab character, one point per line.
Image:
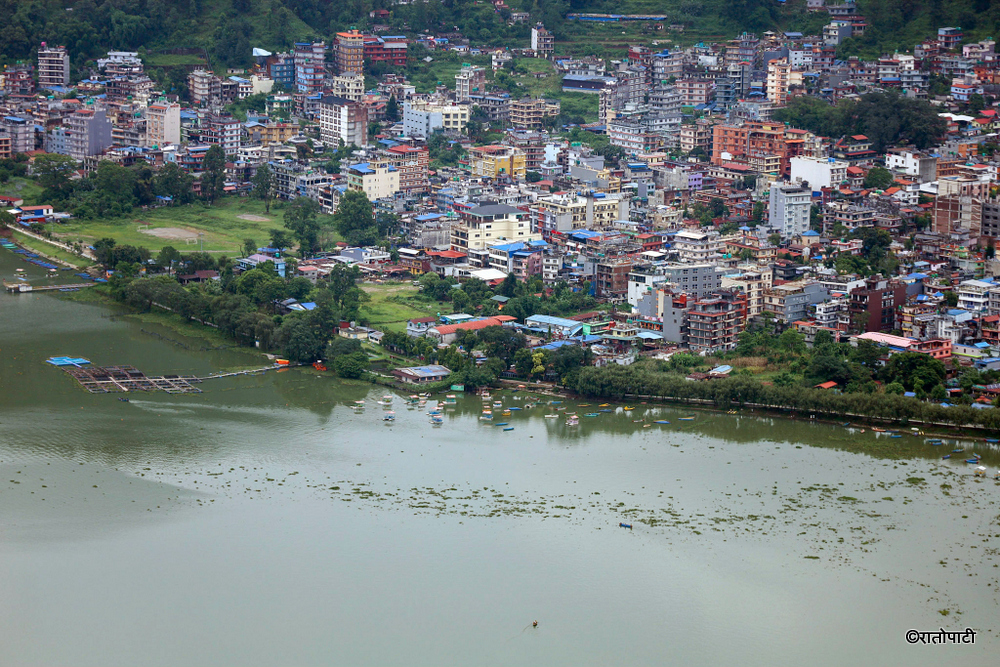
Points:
244	306
887	119
112	190
645	378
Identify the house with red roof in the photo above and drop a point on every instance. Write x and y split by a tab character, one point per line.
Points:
446	334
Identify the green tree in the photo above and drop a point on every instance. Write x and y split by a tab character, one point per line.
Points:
351	365
300	341
172	181
213	178
301	220
263	186
523	362
249	246
167	256
879	178
281	238
354	219
54	172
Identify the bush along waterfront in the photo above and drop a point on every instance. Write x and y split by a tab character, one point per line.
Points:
645	379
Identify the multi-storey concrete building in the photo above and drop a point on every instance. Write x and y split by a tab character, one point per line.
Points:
411	162
21	132
696	280
695	91
696	246
469	81
376	179
873	307
53	66
715	321
817	172
310	68
483	226
542	41
958	207
350	86
421	119
89	133
497	107
778	72
790	302
569	212
696	136
350	52
163	124
531	113
788	214
496	161
204	87
342	122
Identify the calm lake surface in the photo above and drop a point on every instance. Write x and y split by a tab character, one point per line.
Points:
264	522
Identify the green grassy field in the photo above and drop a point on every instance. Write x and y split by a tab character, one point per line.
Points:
24	188
218	229
392	304
50	250
172	60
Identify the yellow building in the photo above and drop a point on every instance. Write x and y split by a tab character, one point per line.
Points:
496	161
483	226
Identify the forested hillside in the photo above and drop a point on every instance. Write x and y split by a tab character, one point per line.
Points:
227	29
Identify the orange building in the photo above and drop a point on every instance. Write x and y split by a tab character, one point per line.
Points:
411	163
350	52
751	141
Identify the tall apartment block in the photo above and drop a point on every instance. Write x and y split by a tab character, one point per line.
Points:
53	66
350	52
310	68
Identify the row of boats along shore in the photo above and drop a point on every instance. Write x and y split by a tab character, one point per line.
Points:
494	410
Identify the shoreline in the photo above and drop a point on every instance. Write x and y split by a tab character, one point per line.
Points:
173	322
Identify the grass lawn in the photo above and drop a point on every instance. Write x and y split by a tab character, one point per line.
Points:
393	304
172	60
219	229
24	188
50	250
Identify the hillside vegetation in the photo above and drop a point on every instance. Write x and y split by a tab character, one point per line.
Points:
222	32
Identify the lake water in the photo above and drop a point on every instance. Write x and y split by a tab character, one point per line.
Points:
266	522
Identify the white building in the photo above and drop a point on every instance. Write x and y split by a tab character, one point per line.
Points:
789	210
973	295
818	172
342	121
423	119
349	85
695	246
919	165
163	124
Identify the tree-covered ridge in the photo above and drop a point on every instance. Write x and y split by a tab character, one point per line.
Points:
228	29
896	25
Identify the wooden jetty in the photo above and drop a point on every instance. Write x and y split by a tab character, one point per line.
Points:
17	288
249	371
